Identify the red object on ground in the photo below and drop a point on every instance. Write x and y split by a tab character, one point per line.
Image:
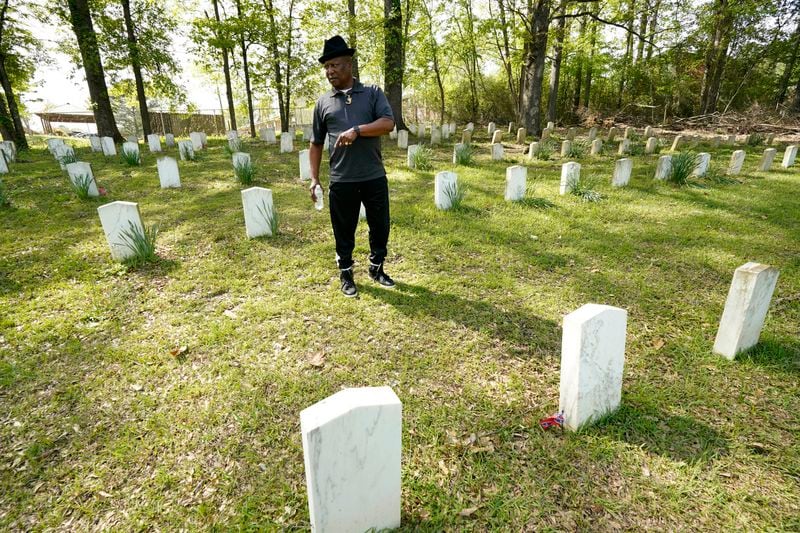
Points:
557	420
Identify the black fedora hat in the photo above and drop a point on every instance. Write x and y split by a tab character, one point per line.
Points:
335	47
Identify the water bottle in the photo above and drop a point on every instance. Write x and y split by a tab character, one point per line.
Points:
318	194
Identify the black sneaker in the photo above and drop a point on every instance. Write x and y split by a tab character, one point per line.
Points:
348	285
376	273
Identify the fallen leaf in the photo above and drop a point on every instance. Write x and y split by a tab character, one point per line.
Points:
645	471
136	387
317	360
178	350
469	511
658	344
104	494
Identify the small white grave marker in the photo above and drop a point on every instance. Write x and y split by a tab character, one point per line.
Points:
522	133
168	173
130	148
412	149
94	142
570	176
703	160
592	362
81	172
436	135
466	136
132	139
393	133
497	137
650	147
497	152
516	183
305	165
117	218
592	133
352	450
745	309
566	147
457	148
154	142
186	150
287	142
664	167
789	156
268	135
533	150
169	140
402	139
109	148
676	144
197	140
767	159
491	128
597	147
624	147
444	188
259	211
52	143
737	160
64	152
622	172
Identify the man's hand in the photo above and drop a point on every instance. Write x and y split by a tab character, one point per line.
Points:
346	138
312	188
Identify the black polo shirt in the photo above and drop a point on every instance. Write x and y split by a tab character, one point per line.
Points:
362	160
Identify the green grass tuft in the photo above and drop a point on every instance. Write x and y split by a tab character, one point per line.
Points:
756	139
5	199
584	189
81	185
131	158
546	150
683	165
464	155
270	216
188	154
244	172
423	158
455	193
142	242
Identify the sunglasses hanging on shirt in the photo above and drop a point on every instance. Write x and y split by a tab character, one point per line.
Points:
348	99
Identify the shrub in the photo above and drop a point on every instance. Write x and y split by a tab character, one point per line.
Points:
142	242
244	172
683	164
131	157
81	185
423	158
464	155
756	139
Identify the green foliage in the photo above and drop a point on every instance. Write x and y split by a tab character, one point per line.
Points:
756	139
464	155
585	189
186	153
244	172
270	217
683	165
716	177
422	159
68	158
455	193
546	150
81	185
578	149
5	199
142	242
131	157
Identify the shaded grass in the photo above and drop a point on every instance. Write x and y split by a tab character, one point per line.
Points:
101	417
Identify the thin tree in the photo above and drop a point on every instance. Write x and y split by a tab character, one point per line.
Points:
16	129
393	61
136	65
226	67
535	49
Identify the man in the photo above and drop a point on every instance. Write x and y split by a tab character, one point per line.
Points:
351	119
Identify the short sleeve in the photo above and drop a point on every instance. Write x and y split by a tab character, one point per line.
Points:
381	106
319	129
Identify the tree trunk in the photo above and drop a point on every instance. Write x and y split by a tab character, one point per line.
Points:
226	69
435	51
653	27
18	131
246	68
555	69
136	65
796	99
352	33
6	125
576	100
393	58
783	84
623	80
716	57
533	64
81	20
642	31
590	64
504	49
272	44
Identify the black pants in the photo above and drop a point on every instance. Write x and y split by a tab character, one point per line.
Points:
345	203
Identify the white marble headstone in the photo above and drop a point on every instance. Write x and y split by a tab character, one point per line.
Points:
703	160
650	147
402	139
551	125
497	152
592	363
169	140
83	171
186	150
234	143
94	142
307	133
664	167
767	159
109	148
352	449
676	144
456	148
305	165
64	151
197	140
393	133
597	147
3	165
130	148
52	143
592	133
287	142
622	172
258	209
436	135
268	135
154	142
571	133
470	126
566	147
168	173
737	160
533	150
624	147
412	128
9	150
240	159
204	139
491	128
445	182
522	133
497	137
745	309
132	139
516	183
466	136
117	218
789	156
570	176
412	149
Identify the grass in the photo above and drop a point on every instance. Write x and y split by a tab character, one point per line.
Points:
168	396
81	185
244	172
68	158
578	149
546	150
455	195
585	189
5	199
683	165
464	155
187	154
142	242
423	158
270	217
132	158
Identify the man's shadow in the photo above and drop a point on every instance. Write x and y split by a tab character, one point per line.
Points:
529	332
